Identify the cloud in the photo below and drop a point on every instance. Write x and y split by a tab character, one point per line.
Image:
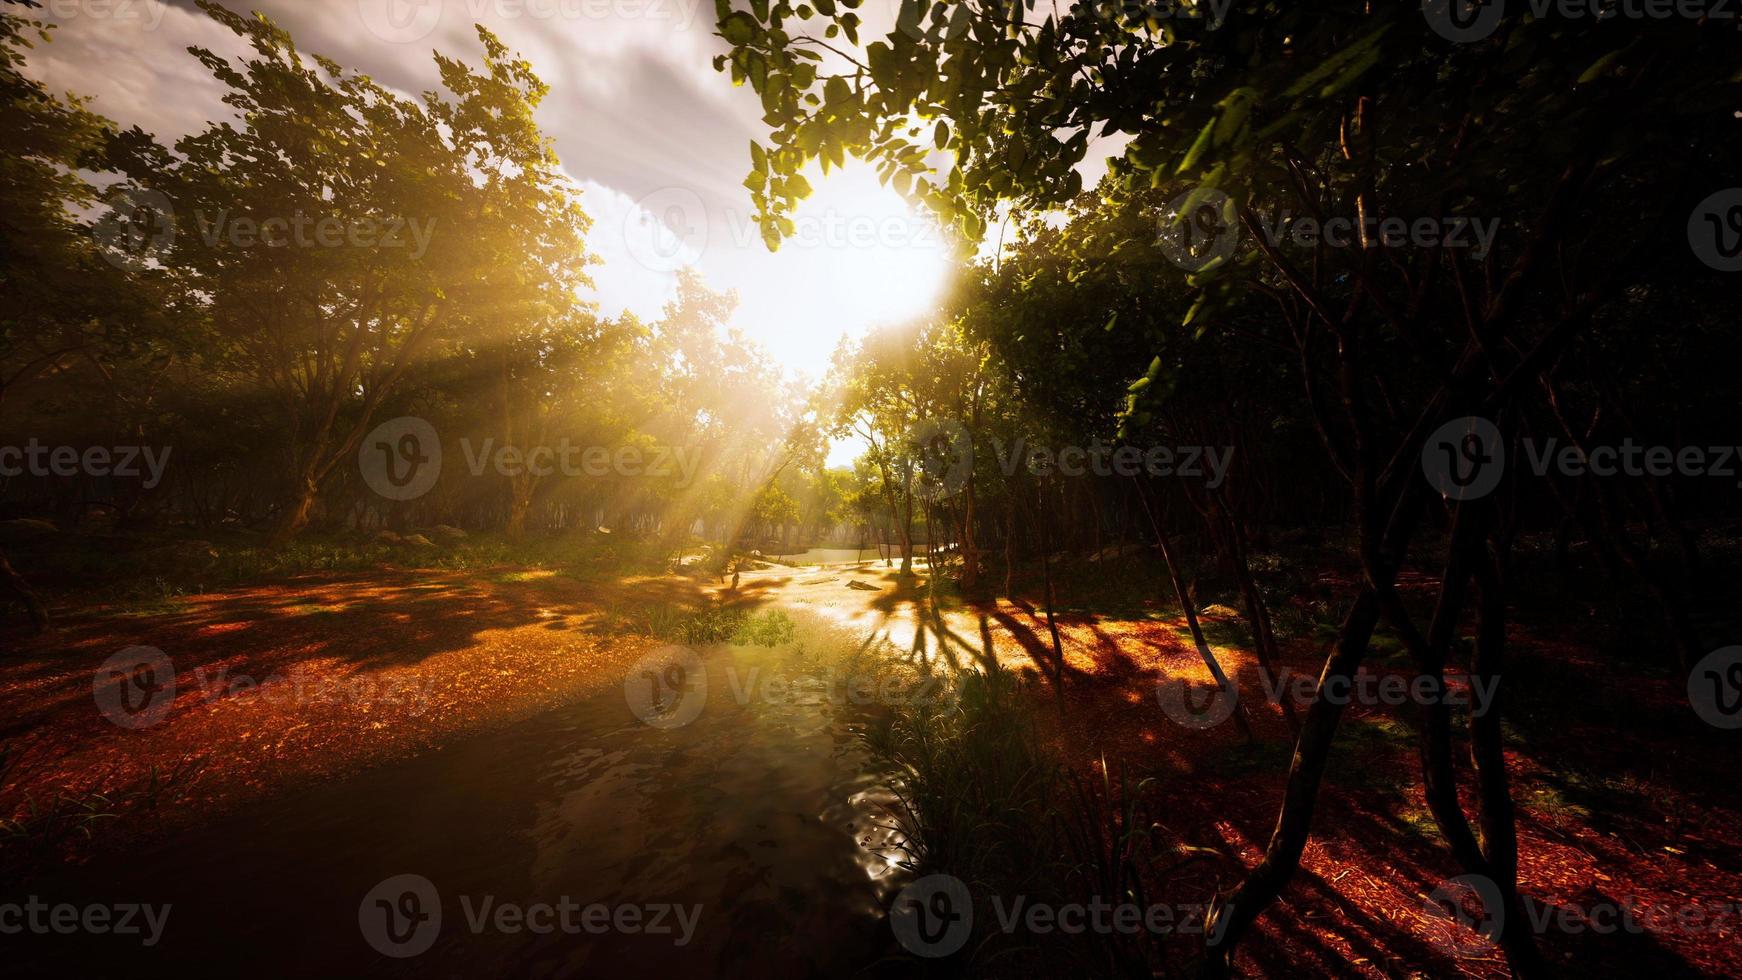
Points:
658	140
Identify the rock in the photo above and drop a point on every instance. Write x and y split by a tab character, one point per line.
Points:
388	537
448	532
417	541
863	586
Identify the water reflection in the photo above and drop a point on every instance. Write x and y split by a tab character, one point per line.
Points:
765	811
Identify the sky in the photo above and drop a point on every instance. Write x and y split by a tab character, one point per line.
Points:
657	140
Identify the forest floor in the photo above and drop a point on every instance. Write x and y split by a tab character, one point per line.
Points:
1627	803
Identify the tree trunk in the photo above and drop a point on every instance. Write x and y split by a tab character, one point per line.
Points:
13	584
1241	718
1498	820
970	549
296	513
1231	916
1263	636
1058	650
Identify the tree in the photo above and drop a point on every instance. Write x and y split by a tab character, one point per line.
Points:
338	233
63	308
1358	112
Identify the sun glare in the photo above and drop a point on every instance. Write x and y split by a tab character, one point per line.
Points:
861	256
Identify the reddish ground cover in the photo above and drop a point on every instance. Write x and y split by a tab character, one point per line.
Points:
1634	810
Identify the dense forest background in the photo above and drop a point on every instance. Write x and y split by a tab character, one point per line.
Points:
1160	308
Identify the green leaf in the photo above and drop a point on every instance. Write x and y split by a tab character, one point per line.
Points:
1199	146
1192	314
1354	53
739	28
1600	68
907	21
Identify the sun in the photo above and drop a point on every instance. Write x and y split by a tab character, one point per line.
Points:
860	256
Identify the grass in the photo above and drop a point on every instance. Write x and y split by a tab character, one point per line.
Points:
981	798
149	574
713	624
36	829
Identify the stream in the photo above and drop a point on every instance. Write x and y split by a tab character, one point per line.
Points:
578	842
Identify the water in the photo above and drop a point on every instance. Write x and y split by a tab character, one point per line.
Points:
764	812
837	556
